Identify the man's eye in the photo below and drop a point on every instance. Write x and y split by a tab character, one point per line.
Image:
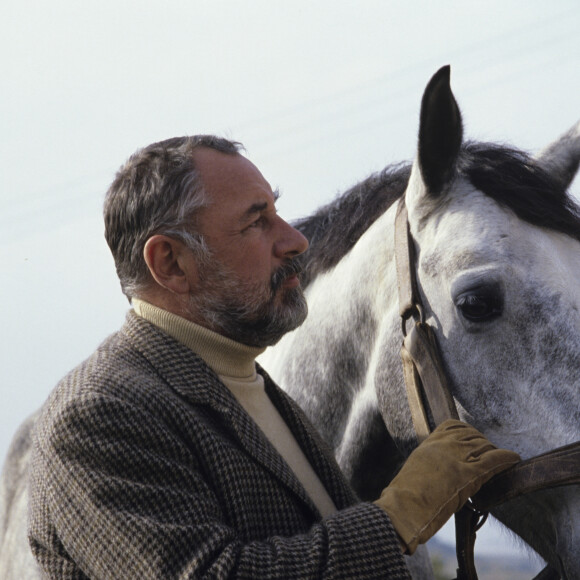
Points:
257	223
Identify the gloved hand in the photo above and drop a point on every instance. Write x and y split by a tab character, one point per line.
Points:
438	478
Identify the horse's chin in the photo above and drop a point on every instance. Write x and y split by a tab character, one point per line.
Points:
549	522
568	542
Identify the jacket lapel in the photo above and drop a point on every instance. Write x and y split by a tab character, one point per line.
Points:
317	451
194	382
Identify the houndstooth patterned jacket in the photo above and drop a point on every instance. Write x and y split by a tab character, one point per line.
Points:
145	466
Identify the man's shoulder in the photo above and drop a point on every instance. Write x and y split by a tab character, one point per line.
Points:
118	383
118	368
137	364
114	362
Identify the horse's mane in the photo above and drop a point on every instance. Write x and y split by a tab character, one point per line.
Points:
336	227
517	181
509	176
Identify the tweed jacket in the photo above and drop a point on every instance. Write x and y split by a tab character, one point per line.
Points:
145	466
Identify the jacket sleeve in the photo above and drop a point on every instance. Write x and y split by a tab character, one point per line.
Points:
126	497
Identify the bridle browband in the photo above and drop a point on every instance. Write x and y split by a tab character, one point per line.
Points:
431	403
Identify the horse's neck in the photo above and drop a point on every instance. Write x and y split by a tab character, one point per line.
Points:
365	278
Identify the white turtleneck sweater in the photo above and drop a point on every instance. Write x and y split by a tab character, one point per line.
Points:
234	363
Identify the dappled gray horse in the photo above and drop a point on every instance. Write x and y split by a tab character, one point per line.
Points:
497	245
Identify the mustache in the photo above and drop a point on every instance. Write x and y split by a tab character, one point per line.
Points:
291	268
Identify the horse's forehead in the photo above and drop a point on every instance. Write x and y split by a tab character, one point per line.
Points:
474	233
465	230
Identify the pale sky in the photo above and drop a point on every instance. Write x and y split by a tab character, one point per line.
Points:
321	94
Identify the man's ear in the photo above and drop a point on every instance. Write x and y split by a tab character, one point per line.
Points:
170	263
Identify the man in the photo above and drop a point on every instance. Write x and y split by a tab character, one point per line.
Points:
169	453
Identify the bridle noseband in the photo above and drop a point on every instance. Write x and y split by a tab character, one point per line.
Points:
431	403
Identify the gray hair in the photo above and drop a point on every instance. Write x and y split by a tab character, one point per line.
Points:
157	191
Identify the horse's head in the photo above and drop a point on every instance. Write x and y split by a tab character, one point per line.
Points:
498	263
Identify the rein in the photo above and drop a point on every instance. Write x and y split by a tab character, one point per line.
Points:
431	403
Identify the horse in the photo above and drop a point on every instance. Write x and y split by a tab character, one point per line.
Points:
496	239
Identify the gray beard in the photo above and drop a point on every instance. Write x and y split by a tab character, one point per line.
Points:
250	313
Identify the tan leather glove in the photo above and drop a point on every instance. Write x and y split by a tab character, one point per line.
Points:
438	478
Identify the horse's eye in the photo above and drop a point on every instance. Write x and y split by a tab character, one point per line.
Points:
480	304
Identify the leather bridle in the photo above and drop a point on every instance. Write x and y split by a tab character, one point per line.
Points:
431	403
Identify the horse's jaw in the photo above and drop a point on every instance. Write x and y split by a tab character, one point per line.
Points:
549	522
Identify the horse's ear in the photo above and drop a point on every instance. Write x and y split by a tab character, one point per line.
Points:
562	157
440	132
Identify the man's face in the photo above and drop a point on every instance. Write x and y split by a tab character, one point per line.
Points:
248	290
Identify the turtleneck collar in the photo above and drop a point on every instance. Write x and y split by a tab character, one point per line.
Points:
223	355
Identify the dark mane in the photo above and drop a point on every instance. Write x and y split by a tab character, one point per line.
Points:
515	180
336	227
509	176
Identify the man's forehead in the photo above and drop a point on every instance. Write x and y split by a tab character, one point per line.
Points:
233	182
219	170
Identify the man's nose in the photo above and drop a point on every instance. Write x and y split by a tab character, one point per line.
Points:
290	242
